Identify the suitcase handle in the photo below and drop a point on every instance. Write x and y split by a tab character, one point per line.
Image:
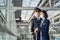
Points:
40	35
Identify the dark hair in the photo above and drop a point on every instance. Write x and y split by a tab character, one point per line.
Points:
37	9
45	14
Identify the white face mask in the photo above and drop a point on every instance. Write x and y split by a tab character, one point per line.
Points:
41	16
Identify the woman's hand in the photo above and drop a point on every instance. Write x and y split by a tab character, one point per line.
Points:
36	30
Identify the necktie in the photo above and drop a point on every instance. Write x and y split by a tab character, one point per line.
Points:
38	19
41	22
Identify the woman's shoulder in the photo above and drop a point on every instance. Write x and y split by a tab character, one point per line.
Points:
33	19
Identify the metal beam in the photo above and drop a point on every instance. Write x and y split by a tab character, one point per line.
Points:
43	1
32	8
46	4
50	3
3	8
23	24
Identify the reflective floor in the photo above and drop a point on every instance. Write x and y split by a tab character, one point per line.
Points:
16	15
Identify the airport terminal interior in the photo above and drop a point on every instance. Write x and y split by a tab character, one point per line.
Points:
16	15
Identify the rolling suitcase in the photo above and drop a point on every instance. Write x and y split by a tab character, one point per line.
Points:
40	36
40	32
36	35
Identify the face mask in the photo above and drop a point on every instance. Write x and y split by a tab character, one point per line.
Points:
41	16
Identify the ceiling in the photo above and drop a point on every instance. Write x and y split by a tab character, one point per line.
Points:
25	14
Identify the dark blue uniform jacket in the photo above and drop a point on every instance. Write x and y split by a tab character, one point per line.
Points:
44	28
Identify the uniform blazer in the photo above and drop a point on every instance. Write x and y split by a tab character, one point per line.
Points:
34	24
44	28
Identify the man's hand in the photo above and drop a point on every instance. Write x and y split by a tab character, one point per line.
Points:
32	33
35	30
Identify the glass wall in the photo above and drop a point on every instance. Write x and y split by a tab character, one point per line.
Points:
54	16
8	29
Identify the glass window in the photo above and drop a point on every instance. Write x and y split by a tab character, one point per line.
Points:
57	3
57	38
2	2
3	12
56	20
26	14
30	3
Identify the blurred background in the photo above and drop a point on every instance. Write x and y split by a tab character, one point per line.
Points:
16	15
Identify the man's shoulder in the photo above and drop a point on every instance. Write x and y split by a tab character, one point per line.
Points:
33	18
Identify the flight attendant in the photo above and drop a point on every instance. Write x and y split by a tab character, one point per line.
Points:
35	24
44	26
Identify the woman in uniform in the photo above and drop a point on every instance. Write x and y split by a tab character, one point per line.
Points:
44	26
